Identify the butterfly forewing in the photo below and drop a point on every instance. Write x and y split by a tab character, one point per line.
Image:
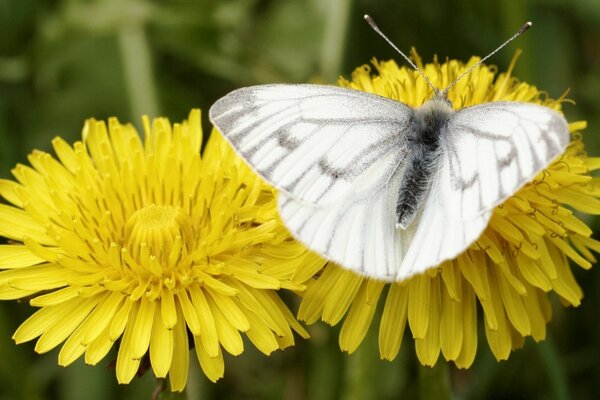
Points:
493	149
312	141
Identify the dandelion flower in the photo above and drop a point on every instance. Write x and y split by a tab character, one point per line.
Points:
145	243
522	256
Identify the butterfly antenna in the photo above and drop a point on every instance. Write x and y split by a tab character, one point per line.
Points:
376	29
521	31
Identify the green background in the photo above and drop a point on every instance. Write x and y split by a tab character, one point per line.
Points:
62	61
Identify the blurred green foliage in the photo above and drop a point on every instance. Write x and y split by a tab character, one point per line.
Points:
62	61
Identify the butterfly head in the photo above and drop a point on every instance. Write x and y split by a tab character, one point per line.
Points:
441	95
440	99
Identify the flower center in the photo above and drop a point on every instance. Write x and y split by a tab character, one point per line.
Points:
157	227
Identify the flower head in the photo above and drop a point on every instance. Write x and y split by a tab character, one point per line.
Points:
521	257
143	241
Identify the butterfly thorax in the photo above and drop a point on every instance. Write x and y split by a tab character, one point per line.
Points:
423	151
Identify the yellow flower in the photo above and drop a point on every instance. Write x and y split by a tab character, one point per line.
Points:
145	242
521	257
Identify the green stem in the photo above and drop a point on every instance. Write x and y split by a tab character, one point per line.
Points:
137	65
557	377
434	383
334	38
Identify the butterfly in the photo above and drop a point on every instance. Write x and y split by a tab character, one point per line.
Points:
378	187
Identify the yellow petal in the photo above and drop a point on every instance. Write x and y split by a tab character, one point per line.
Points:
340	296
72	349
213	367
208	334
419	304
235	316
39	277
17	256
143	328
358	320
56	297
499	339
190	314
120	321
98	348
127	366
451	325
76	312
468	349
178	373
17	224
393	321
228	335
428	347
161	348
260	335
9	190
513	304
102	316
168	312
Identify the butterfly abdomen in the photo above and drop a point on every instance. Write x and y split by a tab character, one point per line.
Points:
424	147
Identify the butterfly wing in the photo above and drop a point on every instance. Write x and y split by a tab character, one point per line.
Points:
360	232
494	149
312	141
337	156
489	151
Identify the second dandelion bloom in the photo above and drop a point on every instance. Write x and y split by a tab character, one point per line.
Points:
147	243
521	257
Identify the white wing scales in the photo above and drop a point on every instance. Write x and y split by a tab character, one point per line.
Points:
339	157
360	232
311	141
495	148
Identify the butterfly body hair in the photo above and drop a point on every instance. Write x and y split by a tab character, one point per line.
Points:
424	138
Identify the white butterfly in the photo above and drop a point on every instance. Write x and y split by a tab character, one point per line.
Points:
380	188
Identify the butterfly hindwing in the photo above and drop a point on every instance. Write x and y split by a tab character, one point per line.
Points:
438	237
359	232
